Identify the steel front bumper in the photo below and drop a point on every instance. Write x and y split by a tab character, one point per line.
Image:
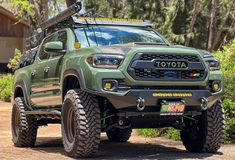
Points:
192	98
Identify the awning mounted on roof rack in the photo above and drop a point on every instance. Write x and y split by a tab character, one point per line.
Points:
52	24
75	8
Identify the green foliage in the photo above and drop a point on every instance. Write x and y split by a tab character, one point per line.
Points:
170	133
15	61
173	134
6	88
35	11
227	59
23	8
147	132
229	107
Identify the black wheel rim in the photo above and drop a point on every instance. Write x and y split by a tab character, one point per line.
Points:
16	123
69	122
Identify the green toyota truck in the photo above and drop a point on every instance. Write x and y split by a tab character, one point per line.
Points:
114	75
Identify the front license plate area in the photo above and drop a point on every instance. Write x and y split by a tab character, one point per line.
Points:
172	108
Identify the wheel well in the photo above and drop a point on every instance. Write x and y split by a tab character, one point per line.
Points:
18	92
70	82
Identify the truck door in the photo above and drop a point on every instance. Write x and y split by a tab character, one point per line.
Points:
37	74
53	71
45	74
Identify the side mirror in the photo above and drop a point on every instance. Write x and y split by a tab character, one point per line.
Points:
54	48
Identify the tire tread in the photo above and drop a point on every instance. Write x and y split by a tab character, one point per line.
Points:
87	114
28	126
211	134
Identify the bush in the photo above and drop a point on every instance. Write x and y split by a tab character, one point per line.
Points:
230	120
173	134
6	88
15	61
6	81
147	132
227	59
170	133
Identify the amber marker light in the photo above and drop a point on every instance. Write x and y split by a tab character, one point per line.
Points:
77	45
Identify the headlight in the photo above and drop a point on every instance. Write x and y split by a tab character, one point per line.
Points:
105	61
213	63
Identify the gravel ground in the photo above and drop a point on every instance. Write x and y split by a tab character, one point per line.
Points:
49	146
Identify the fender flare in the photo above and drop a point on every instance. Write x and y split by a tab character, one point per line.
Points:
74	72
21	84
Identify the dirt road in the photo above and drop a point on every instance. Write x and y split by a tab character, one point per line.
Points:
49	146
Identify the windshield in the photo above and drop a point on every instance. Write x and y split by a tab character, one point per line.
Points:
110	35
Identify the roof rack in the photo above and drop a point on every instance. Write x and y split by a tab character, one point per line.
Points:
110	21
71	17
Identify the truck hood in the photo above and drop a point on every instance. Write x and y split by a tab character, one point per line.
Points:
125	48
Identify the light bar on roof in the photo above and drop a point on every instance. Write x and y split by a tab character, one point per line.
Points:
111	21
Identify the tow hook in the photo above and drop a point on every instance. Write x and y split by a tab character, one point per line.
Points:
140	104
204	104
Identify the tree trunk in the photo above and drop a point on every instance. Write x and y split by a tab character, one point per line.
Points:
217	37
212	24
165	2
195	12
45	9
225	40
38	19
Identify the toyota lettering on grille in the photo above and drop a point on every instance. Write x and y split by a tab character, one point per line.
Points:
171	64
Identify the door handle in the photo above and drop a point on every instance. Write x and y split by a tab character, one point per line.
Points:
33	73
46	69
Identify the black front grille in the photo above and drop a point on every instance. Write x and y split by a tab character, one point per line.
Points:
190	58
143	67
145	74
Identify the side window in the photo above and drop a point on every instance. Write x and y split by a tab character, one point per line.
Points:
58	36
42	54
81	37
62	37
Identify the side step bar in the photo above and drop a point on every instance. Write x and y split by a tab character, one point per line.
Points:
44	114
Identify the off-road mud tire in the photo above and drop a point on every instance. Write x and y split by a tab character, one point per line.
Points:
81	138
24	128
119	135
208	134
